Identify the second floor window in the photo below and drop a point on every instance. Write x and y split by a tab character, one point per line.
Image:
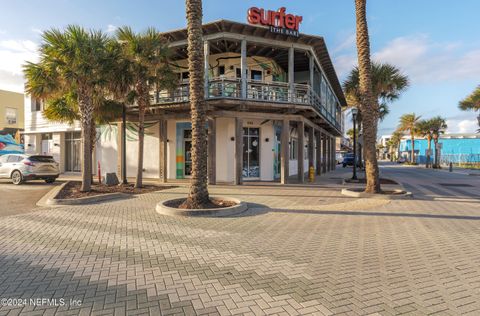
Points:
37	105
10	116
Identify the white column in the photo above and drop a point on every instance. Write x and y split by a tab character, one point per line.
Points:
291	77
243	67
206	52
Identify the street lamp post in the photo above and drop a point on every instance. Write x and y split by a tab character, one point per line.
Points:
354	118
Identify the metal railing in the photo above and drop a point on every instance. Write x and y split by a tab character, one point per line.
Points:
278	92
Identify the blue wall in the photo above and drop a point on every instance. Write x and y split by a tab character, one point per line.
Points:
457	149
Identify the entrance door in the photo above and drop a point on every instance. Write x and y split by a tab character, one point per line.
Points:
73	142
187	149
251	153
277	159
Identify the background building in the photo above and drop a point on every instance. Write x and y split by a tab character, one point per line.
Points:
11	113
462	149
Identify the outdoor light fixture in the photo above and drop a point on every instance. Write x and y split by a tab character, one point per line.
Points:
232	138
267	140
354	119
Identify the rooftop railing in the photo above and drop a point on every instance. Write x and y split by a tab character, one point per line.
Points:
275	92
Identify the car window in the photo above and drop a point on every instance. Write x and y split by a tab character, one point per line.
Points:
4	158
13	158
41	159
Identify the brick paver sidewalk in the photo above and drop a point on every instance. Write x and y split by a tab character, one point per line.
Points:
297	251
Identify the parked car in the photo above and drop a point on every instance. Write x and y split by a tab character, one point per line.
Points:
348	160
21	168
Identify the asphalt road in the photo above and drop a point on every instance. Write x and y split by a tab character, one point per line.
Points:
431	184
17	199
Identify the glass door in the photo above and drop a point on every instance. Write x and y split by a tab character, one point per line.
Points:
277	159
251	153
187	149
73	143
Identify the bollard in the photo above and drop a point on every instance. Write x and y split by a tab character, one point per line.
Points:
311	174
450	167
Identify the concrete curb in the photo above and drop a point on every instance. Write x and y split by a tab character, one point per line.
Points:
49	199
354	192
162	209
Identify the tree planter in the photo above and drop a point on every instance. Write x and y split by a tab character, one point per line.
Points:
239	207
386	195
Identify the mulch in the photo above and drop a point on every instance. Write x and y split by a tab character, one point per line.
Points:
214	203
382	181
72	190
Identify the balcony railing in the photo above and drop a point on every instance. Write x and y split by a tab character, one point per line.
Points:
277	92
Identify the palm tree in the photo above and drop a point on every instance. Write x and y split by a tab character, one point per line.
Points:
65	110
367	103
471	103
424	129
74	60
438	126
409	123
147	70
394	142
387	84
198	196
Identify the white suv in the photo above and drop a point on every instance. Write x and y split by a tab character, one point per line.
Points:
20	168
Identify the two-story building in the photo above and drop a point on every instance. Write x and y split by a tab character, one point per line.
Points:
11	112
274	108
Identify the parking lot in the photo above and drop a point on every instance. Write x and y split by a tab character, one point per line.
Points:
18	199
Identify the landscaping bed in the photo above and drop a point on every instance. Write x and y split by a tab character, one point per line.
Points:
71	190
363	181
214	203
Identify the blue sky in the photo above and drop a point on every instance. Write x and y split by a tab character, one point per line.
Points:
435	43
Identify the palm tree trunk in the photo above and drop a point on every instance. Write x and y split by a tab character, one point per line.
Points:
86	119
93	141
435	157
429	140
368	106
198	196
412	159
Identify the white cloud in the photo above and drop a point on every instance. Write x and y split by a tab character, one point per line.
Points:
2	32
422	59
462	126
426	61
36	30
13	55
111	28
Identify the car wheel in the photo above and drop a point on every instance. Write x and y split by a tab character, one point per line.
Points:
17	177
50	180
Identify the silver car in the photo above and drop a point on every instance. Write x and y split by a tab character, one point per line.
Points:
20	168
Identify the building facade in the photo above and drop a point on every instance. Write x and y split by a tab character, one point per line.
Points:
274	108
461	149
11	112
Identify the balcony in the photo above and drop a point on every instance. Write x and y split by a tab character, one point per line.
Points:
276	92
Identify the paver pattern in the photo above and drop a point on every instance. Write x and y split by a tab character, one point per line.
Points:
297	251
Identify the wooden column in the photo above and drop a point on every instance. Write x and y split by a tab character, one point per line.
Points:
162	157
285	150
318	153
243	67
324	152
238	150
206	51
311	147
291	75
311	67
212	152
301	149
329	153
